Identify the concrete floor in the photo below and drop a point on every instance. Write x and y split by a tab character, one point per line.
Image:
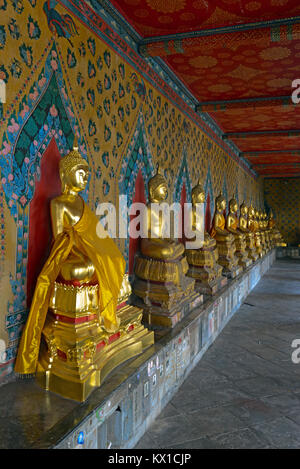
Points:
245	392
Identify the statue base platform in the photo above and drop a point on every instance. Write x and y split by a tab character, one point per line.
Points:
207	282
252	254
258	245
212	287
233	271
250	247
241	252
160	317
166	293
227	259
76	352
244	260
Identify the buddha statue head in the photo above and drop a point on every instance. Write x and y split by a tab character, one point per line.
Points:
73	171
220	203
157	187
244	210
233	205
198	194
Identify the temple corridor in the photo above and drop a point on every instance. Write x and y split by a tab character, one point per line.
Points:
245	391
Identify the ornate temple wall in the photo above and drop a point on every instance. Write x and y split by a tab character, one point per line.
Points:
67	71
283	196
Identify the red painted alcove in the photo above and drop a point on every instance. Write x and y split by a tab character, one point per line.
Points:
40	231
183	200
138	197
207	214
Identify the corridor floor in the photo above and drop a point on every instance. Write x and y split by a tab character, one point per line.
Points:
245	391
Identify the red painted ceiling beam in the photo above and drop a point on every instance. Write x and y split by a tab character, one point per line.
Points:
253	103
281	175
287	159
266	36
261	133
272	165
258	154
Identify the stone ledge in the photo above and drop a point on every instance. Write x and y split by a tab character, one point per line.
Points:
289	252
117	414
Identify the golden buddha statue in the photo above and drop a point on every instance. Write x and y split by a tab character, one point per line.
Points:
259	215
161	286
203	262
253	227
225	241
266	230
79	326
155	245
232	225
243	226
277	238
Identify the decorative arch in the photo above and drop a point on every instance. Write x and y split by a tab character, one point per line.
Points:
225	191
138	158
46	113
245	195
209	201
182	179
237	195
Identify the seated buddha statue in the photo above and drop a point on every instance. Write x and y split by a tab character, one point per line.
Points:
243	226
203	262
277	238
75	315
260	233
232	225
225	240
155	245
267	231
161	266
253	227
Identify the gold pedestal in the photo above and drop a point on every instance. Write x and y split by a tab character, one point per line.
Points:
228	260
263	243
163	290
267	240
77	353
258	246
204	268
250	247
241	252
270	239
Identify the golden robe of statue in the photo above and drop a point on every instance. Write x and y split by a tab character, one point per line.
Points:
81	251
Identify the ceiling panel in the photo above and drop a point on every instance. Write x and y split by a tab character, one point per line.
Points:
241	75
